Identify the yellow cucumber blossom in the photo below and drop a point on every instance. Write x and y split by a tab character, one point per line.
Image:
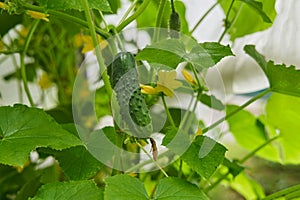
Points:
87	42
188	77
45	81
166	83
38	15
3	6
147	89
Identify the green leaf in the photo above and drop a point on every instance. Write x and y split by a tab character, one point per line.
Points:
24	129
8	21
204	156
245	129
283	113
249	188
252	16
208	54
77	163
73	190
171	52
102	5
234	168
282	79
258	7
211	101
178	189
124	187
167	52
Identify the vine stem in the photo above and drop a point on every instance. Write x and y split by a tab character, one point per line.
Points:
128	11
64	16
285	192
22	61
226	21
203	17
241	161
167	111
159	18
97	47
145	151
133	16
237	110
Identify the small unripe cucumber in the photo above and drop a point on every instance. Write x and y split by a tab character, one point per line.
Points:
133	108
174	25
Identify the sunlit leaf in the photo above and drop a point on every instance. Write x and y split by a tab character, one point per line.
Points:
252	16
283	113
245	129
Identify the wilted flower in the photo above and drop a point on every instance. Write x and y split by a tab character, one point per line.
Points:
38	15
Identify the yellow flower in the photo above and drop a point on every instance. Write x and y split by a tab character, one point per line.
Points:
87	42
166	83
199	132
3	6
38	15
147	89
45	82
188	77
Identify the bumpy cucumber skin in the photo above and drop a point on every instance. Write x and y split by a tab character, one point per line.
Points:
124	79
174	25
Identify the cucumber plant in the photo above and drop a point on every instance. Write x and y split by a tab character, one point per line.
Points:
56	36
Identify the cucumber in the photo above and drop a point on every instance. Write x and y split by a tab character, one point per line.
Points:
133	108
174	25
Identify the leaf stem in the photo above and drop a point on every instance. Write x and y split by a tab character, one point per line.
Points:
159	18
128	11
237	110
253	152
100	60
22	61
167	111
173	6
284	192
64	16
227	26
139	11
203	17
160	168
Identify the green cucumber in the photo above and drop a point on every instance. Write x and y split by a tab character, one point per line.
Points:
174	24
133	108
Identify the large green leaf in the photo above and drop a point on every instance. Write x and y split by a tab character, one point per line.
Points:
252	16
245	129
171	52
124	187
77	163
23	129
207	54
74	190
282	79
178	189
102	5
204	156
283	112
